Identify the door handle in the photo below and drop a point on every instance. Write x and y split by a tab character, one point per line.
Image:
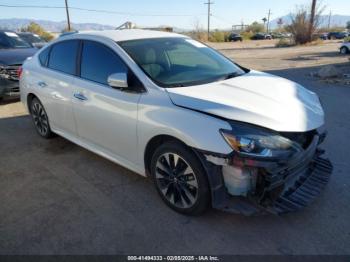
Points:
42	84
80	96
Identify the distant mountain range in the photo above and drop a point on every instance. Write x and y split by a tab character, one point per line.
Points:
17	23
52	26
336	20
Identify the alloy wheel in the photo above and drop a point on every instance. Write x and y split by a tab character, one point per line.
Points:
176	180
40	118
343	50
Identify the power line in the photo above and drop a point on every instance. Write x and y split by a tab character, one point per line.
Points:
99	11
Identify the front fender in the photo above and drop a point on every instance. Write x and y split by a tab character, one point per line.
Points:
195	129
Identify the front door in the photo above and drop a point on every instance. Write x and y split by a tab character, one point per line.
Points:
105	117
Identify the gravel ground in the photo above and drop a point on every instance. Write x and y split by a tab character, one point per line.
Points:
57	198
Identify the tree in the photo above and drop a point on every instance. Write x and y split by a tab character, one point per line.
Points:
256	28
37	29
304	26
348	25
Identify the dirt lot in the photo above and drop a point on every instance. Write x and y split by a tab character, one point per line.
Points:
260	55
57	198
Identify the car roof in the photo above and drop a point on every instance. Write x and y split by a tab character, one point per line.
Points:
4	30
128	34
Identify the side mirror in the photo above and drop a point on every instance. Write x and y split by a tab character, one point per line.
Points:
118	80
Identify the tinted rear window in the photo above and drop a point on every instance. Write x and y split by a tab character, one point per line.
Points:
43	56
63	56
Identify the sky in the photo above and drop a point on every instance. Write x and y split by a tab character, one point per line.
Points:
177	13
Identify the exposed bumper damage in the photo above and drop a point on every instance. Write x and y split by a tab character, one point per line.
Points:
249	186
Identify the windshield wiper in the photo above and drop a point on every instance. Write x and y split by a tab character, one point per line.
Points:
231	75
176	85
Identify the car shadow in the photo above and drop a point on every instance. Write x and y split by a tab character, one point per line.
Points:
312	57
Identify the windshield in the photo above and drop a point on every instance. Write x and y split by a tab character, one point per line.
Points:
31	38
177	62
12	40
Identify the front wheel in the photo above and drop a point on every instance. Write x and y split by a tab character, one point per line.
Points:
344	50
180	179
40	119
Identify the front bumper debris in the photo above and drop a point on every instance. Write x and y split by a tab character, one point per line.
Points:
308	185
282	186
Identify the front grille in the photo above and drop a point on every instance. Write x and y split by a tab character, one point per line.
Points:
10	72
14	89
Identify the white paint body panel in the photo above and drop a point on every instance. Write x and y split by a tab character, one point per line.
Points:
119	125
256	98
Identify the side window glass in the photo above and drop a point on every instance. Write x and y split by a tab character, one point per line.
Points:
43	56
3	41
98	62
63	56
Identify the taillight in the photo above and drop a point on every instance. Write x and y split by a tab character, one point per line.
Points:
19	72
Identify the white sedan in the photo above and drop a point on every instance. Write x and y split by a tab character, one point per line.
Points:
207	131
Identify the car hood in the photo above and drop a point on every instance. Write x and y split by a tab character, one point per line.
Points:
257	98
16	56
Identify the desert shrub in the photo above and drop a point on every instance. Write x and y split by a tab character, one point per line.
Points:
37	29
198	35
256	28
217	36
247	35
284	42
305	25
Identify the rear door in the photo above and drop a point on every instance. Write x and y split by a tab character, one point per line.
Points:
106	117
55	84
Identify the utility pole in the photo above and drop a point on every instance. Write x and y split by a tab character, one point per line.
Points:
312	19
209	3
68	20
268	21
329	19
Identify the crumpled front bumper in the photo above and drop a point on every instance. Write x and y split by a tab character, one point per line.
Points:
282	186
307	185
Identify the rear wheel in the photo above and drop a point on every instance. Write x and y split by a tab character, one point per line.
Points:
180	179
40	119
344	50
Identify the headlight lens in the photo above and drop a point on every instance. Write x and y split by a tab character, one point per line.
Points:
252	141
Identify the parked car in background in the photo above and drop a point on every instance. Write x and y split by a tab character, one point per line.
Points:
345	48
233	37
206	130
323	36
337	35
13	51
278	35
261	36
33	39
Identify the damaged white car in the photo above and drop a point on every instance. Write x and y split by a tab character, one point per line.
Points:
208	131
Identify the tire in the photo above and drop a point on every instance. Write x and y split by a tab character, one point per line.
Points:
40	119
344	50
180	179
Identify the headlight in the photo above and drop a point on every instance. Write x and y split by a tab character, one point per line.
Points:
255	142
